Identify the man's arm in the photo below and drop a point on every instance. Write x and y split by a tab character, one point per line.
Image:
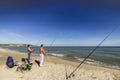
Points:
29	49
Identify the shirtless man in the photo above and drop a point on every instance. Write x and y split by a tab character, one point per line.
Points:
29	52
42	52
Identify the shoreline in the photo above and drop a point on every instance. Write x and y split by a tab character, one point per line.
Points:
87	63
104	59
61	58
98	65
55	66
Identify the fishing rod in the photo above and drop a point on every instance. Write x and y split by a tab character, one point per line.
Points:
53	41
72	73
38	42
51	44
66	72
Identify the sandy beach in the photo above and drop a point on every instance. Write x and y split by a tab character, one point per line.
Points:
53	69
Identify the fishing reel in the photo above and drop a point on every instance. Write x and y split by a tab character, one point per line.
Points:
72	75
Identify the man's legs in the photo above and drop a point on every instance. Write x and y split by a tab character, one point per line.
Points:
29	57
41	59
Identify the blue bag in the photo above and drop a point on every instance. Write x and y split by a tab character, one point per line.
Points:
10	62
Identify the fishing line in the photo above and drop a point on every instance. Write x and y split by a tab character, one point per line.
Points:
72	73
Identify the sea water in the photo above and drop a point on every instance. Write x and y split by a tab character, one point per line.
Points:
106	56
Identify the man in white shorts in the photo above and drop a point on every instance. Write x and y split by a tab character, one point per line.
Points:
42	52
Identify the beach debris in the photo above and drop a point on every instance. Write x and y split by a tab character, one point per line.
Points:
38	62
24	66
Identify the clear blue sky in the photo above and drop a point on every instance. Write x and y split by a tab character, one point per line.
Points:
71	23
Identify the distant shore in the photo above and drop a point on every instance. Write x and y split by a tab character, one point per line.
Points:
53	69
17	45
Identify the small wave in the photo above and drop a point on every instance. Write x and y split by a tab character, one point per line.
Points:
58	55
89	61
114	67
79	59
98	63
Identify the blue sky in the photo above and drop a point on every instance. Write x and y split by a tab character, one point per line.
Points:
71	24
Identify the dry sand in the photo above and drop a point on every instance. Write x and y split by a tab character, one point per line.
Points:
53	69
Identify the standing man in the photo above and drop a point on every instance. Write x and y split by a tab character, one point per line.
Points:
29	52
42	52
